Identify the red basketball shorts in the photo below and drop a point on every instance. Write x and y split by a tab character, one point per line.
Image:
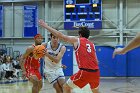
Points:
82	78
33	72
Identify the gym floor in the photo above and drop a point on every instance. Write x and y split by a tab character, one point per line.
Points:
107	85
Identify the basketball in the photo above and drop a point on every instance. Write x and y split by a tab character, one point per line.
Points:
39	51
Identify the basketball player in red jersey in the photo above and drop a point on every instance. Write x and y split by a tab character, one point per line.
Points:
86	59
30	65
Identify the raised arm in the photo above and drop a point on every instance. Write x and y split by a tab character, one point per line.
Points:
60	35
135	42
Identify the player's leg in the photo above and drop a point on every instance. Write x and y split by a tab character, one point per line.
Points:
40	85
96	90
94	81
75	81
57	88
70	85
51	77
66	88
34	81
56	78
39	77
58	85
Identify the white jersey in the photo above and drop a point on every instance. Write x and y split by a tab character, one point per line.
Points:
49	63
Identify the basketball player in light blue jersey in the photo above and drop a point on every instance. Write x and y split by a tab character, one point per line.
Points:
53	65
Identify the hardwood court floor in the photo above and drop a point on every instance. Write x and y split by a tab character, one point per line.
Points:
108	85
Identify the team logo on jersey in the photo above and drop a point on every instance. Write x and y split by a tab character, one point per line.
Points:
53	54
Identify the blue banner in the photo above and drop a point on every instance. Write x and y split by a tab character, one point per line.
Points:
30	20
1	20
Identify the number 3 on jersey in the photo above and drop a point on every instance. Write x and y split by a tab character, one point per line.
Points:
88	48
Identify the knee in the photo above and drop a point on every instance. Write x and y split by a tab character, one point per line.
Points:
66	87
95	90
35	84
40	85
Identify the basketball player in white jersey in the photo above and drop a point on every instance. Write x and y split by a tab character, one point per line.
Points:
53	64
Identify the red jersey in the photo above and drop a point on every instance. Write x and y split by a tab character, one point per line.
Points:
32	66
32	63
86	55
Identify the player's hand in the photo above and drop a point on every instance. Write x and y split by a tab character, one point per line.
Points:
64	66
24	75
42	23
45	75
44	51
118	51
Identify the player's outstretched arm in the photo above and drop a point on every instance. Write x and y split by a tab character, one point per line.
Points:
118	51
57	33
135	42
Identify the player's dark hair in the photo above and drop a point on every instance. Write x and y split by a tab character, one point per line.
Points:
53	34
84	32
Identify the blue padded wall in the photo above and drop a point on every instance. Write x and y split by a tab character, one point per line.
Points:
133	62
68	61
106	64
110	67
120	65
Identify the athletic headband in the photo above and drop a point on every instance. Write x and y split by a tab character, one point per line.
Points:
37	35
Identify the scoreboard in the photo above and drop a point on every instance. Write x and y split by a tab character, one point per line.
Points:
82	13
